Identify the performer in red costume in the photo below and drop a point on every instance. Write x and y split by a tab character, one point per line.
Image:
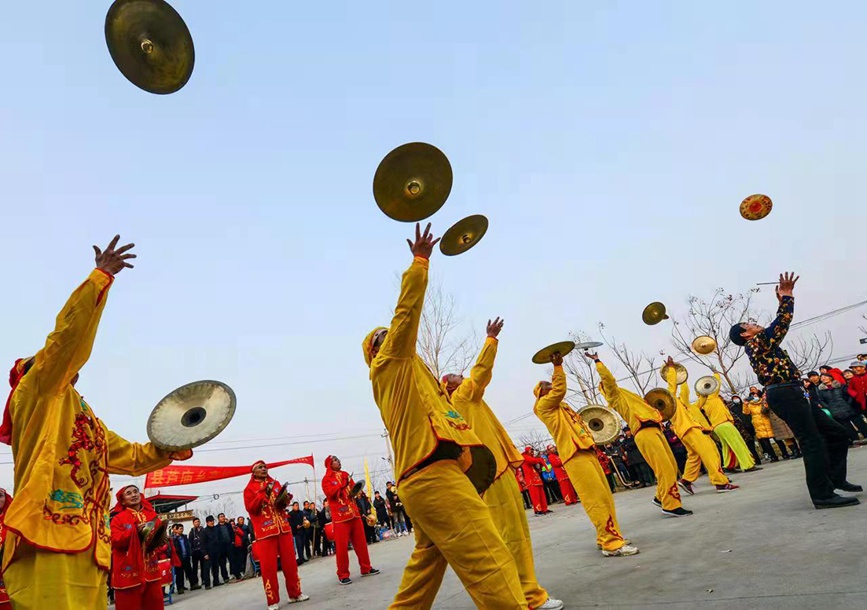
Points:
346	518
534	481
135	574
273	536
566	489
5	501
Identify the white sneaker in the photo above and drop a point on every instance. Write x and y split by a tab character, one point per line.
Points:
551	604
300	598
274	607
625	551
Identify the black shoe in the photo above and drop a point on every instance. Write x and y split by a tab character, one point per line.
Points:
754	468
180	592
657	502
345	581
850	487
219	584
207	587
836	502
373	572
195	587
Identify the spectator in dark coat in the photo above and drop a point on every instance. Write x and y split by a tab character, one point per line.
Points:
296	520
200	564
227	547
381	509
183	553
835	397
213	551
639	471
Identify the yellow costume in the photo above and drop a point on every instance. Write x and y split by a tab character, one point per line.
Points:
724	428
437	455
695	437
577	451
504	496
58	549
645	423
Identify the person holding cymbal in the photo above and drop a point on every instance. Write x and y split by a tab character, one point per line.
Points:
577	452
58	526
437	455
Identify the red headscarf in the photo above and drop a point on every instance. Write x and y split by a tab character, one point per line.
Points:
5	506
328	461
15	376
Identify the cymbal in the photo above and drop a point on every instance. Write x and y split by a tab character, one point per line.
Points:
756	207
603	423
463	235
654	313
707	385
412	182
283	497
150	44
156	536
543	356
191	415
588	345
356	489
663	401
703	345
682	373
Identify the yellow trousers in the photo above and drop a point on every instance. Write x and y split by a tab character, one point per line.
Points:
657	452
460	534
507	510
39	580
700	448
733	443
592	487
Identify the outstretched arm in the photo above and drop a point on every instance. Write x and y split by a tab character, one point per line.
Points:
551	401
135	459
778	329
483	371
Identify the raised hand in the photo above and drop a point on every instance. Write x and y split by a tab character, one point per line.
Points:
495	327
424	243
594	356
557	359
113	261
787	285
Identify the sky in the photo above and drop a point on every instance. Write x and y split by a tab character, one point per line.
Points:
609	143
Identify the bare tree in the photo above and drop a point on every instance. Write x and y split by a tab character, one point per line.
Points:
444	343
863	329
714	318
582	372
639	365
808	354
535	439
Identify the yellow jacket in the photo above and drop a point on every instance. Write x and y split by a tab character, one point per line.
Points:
632	408
468	399
568	430
63	453
414	408
682	421
761	422
714	407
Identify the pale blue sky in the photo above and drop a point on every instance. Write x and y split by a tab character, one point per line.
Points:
609	143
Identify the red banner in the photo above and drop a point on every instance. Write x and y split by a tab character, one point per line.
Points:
188	475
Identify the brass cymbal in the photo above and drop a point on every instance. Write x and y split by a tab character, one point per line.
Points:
543	356
662	400
703	345
150	44
412	182
707	385
654	313
463	235
603	423
680	370
756	207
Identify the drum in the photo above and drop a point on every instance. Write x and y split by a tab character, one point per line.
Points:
166	576
329	531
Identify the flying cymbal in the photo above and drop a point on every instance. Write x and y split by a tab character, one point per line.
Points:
707	385
682	373
662	400
654	313
756	207
150	44
703	345
463	235
191	415
543	356
412	182
585	345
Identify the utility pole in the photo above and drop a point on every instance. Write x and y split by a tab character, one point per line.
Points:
390	459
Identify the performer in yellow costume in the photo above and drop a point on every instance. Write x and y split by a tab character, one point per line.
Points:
577	450
437	456
58	552
646	425
724	428
503	497
695	436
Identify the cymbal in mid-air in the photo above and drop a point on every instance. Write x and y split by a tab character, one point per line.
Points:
191	415
654	313
463	235
412	182
707	385
543	356
663	401
681	373
703	345
588	345
756	207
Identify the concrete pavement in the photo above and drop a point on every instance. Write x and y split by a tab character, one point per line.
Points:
762	547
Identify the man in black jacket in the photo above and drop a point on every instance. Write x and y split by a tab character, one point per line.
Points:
227	546
199	557
639	471
213	550
183	550
296	520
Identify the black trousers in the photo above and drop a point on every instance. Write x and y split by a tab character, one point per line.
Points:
218	563
202	566
853	420
552	488
824	443
238	562
185	570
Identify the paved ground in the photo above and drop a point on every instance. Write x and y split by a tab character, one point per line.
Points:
763	547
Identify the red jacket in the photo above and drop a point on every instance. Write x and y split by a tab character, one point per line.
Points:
858	390
531	475
519	476
604	460
837	374
4	596
266	520
129	565
336	485
557	465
